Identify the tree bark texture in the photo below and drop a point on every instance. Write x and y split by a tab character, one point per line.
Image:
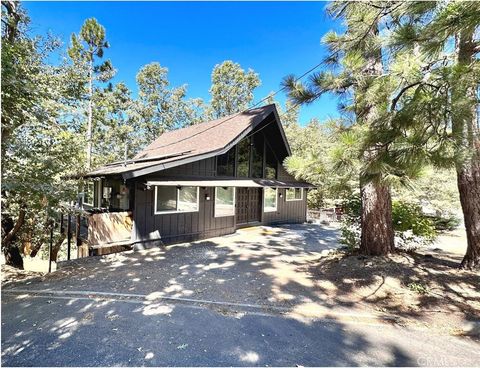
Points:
465	127
9	232
377	227
89	122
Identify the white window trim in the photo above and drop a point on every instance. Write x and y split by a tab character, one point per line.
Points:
271	209
85	190
294	199
215	203
155	212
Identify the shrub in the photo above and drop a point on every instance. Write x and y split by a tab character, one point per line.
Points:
350	234
447	222
408	216
412	228
350	230
352	206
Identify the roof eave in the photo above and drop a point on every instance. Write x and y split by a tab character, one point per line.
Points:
151	169
134	173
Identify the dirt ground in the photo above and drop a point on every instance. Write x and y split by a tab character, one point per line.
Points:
12	275
425	289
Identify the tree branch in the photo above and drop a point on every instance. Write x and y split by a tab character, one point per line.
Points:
11	234
400	94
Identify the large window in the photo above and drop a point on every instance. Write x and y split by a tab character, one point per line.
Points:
269	199
224	201
257	156
270	163
294	194
89	193
243	158
253	158
226	163
172	199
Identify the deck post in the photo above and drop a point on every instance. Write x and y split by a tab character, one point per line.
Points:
61	223
69	235
77	230
50	246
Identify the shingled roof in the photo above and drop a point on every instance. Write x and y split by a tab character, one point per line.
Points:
192	143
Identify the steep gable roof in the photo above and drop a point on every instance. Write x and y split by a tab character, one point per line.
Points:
192	143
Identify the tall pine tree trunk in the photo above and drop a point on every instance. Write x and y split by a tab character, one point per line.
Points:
467	134
377	235
377	227
89	112
468	179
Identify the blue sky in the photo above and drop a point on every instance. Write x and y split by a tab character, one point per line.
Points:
273	38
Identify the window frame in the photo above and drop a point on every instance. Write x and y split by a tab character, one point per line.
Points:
234	149
271	209
268	150
85	191
294	199
215	203
237	158
177	191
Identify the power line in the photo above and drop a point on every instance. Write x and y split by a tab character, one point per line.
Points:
242	112
284	87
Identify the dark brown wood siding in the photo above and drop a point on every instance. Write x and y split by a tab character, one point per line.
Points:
204	167
183	227
178	227
287	211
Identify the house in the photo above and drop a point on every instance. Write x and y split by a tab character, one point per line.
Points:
201	181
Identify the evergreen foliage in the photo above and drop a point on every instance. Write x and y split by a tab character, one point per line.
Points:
232	89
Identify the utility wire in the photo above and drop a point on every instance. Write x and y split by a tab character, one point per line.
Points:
241	112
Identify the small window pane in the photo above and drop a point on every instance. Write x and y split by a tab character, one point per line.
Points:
226	163
166	199
270	200
298	193
290	194
224	202
294	194
89	193
257	156
243	158
187	199
270	164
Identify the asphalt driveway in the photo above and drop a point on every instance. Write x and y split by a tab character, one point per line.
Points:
238	300
258	265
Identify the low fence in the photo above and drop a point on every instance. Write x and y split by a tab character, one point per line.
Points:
68	236
325	214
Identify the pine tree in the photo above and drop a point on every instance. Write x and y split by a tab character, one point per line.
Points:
85	47
160	107
358	55
438	95
232	88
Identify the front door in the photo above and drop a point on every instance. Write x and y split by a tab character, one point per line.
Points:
249	205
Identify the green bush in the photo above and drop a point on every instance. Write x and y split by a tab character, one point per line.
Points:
412	228
352	206
445	223
350	234
408	216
